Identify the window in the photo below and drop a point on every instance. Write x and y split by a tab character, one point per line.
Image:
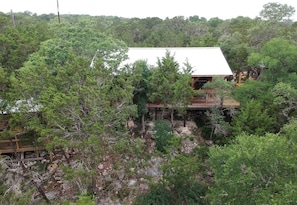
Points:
199	82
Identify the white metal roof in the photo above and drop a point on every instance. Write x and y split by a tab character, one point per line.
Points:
205	61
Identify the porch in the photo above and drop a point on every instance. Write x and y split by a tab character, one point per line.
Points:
203	99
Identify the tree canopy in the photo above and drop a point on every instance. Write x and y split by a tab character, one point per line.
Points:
277	12
246	173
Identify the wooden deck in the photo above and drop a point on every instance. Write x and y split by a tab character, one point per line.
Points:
197	106
201	102
18	144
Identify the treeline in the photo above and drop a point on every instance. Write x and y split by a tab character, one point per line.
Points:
238	37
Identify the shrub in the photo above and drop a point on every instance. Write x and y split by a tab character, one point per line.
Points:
158	194
163	135
199	121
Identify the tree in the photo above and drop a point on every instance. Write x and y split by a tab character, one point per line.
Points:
180	183
183	94
163	80
4	89
257	113
253	118
77	105
235	51
264	31
169	86
277	58
222	89
214	22
180	175
67	41
142	73
17	43
253	90
285	95
163	135
289	130
254	170
218	124
277	12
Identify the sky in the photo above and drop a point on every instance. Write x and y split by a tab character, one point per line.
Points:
223	9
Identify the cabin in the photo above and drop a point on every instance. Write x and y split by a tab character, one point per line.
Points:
206	63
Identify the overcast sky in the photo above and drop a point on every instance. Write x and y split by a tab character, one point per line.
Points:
224	9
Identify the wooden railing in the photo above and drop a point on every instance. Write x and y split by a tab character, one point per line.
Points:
202	99
204	96
18	143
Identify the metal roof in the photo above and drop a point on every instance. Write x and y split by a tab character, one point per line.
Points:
205	61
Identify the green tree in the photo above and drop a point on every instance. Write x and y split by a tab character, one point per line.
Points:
159	194
162	81
285	95
169	86
142	74
180	183
180	175
235	51
163	135
289	130
18	42
214	22
264	31
222	89
253	118
78	106
259	94
277	12
254	170
4	89
183	94
252	90
277	58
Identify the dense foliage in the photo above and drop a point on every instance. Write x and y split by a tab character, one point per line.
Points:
255	170
70	72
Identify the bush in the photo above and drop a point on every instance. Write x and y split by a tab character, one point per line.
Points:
201	152
199	121
158	194
85	199
163	135
179	185
181	176
216	138
191	193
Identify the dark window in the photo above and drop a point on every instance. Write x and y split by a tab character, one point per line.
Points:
200	82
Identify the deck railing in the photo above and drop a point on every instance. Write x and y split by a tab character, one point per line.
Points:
202	99
18	143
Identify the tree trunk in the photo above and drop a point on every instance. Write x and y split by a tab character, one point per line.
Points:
221	103
212	131
171	117
142	124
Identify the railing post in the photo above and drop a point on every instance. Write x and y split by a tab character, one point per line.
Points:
17	142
